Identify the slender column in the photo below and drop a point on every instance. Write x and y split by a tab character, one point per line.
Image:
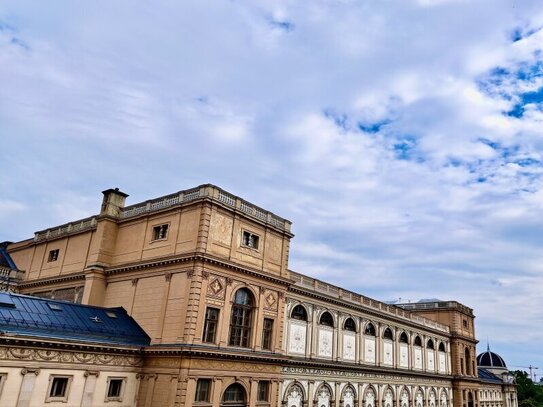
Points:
217	391
91	377
151	379
253	392
27	386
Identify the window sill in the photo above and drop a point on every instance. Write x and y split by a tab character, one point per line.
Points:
108	399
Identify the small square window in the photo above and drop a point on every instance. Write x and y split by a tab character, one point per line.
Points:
111	314
203	389
250	240
115	387
53	255
263	390
59	387
465	323
160	232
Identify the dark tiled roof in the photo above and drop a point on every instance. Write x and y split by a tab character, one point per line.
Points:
23	315
490	359
487	376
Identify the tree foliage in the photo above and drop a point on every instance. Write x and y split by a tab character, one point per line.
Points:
529	394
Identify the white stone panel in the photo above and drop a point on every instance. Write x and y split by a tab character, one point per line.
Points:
418	357
323	397
369	349
297	337
369	398
387	353
442	364
430	358
325	343
419	399
443	400
404	355
388	399
295	396
349	346
404	399
432	399
348	397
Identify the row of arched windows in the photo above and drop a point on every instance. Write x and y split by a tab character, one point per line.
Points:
326	319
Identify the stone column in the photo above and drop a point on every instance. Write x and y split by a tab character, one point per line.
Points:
217	391
151	379
253	392
27	386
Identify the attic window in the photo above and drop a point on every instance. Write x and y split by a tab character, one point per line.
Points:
160	232
54	307
111	314
53	255
6	300
250	240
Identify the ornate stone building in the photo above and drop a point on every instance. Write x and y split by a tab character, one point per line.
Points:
206	275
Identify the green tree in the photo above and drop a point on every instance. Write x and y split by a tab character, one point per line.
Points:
529	394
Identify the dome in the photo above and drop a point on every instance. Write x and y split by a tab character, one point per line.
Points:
490	359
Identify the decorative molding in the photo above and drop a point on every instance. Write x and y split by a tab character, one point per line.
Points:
91	373
190	273
30	370
135	281
168	277
205	275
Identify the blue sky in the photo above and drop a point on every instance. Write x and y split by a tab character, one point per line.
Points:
403	138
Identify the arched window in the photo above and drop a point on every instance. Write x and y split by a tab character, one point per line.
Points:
369	330
299	312
234	395
387	334
430	344
417	342
403	338
441	347
241	319
349	325
326	319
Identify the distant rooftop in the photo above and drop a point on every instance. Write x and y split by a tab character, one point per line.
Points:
27	316
435	304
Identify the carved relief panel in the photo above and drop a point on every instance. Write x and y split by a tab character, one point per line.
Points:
419	399
443	400
388	398
349	346
404	399
325	342
418	357
295	396
271	300
369	398
387	353
369	349
442	364
432	399
404	355
216	287
297	337
323	397
348	397
431	363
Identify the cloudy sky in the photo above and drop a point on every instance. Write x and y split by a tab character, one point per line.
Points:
403	138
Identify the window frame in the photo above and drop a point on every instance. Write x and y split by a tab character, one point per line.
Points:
53	255
267	334
157	228
299	316
123	380
63	399
208	391
240	335
3	378
207	322
328	321
256	245
267	390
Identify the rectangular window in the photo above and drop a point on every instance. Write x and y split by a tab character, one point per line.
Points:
465	323
53	255
160	232
210	325
263	390
59	387
250	240
115	388
267	334
203	389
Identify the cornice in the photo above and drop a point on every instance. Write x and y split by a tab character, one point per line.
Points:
52	280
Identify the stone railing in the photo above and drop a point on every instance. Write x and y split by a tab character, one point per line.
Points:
210	192
366	302
9	279
72	227
437	305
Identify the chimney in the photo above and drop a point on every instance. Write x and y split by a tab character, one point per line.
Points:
113	202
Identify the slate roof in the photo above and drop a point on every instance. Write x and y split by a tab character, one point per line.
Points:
487	376
23	315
